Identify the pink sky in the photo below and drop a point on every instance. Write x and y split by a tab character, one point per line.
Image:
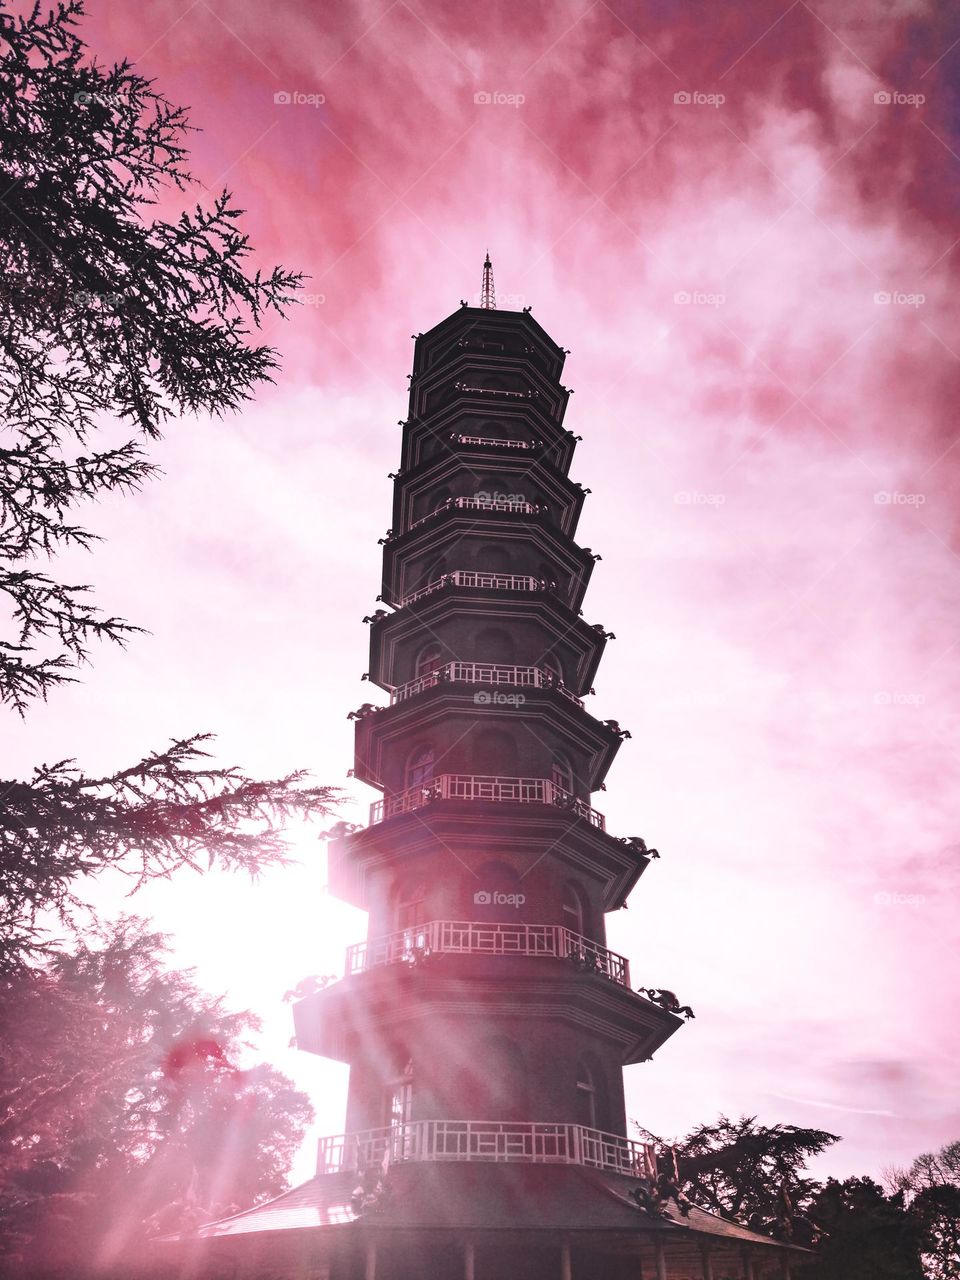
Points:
787	652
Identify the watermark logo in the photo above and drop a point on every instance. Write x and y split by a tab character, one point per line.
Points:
485	496
311	299
504	301
694	98
494	898
496	98
886	699
894	498
115	101
295	98
694	498
698	298
896	298
888	898
98	301
893	98
494	698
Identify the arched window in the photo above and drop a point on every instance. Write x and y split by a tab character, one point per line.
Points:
419	767
572	910
561	772
430	658
587	1102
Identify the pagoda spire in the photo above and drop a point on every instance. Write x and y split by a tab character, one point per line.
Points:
488	296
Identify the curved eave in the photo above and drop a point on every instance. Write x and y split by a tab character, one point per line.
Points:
557	487
375	732
431	611
443	421
528	1204
468	319
523	830
346	1018
449	529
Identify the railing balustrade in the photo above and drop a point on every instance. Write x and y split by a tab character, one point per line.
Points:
486	1142
497	442
472	937
486	581
480	504
525	677
495	391
467	786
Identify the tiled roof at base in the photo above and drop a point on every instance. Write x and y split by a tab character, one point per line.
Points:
481	1197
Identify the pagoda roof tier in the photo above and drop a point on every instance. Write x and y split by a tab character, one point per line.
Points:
469	525
456	707
497	332
613	863
488	379
519	420
349	1018
482	599
521	471
433	1205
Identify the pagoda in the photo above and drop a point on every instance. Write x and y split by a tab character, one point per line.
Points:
485	1021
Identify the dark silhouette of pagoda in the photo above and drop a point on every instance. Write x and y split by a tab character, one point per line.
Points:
484	1019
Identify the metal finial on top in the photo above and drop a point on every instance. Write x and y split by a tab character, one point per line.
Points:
488	296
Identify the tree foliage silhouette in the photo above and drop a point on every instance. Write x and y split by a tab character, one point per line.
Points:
931	1187
750	1172
167	812
123	1111
757	1175
112	321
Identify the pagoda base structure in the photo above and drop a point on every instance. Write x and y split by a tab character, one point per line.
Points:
483	1220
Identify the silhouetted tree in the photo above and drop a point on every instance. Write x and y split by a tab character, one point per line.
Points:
756	1174
124	1112
111	321
752	1173
866	1235
931	1187
168	811
105	313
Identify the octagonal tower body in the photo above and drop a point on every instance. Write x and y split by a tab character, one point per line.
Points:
485	990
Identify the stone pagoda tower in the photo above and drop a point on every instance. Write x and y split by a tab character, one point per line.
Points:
485	1022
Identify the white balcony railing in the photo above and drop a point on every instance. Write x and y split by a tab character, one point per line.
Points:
469	786
472	937
492	673
495	442
486	581
494	391
480	504
486	1142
